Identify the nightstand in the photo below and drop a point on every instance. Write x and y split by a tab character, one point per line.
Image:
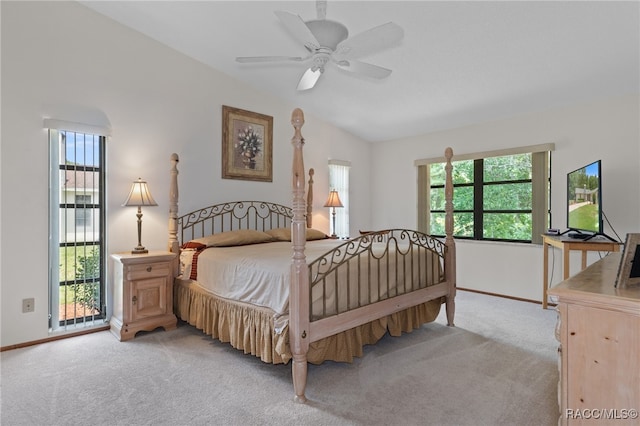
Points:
142	293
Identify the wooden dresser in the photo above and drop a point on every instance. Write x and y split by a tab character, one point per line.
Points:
599	355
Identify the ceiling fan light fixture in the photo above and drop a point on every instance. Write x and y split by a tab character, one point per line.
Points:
328	33
309	78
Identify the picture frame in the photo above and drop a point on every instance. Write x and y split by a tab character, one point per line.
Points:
629	269
247	145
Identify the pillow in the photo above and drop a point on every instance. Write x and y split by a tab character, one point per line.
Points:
239	237
314	234
186	260
284	234
188	254
192	245
280	234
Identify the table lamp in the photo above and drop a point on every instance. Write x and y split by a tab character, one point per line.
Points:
333	201
139	196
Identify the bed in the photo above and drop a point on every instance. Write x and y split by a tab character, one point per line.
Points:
257	275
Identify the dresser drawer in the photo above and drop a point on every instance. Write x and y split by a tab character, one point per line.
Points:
142	271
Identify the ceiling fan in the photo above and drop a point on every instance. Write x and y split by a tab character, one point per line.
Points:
329	42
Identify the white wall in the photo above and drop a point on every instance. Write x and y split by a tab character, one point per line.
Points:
64	61
608	130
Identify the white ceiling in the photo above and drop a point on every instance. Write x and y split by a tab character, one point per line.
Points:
459	62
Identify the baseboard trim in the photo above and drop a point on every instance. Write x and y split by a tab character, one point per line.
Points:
54	338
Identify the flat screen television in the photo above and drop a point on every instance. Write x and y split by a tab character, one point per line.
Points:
584	201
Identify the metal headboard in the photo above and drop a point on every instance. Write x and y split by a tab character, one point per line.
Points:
229	216
258	215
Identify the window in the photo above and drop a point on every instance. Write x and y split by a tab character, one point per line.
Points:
83	215
498	196
77	227
339	180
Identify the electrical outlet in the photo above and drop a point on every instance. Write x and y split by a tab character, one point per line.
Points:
28	305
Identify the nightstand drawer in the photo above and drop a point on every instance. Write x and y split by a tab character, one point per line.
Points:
142	271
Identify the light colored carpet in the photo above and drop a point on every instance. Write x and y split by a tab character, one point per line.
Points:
498	366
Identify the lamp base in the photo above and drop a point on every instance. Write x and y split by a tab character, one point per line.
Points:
139	250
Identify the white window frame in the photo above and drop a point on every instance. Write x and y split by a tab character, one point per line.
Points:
339	180
56	127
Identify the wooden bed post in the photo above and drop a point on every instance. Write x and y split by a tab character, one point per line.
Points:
310	199
299	292
173	205
450	259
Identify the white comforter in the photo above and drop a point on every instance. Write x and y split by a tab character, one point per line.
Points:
259	274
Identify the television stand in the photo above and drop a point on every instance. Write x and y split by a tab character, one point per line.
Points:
566	245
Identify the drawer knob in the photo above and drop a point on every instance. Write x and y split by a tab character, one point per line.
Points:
134	299
149	268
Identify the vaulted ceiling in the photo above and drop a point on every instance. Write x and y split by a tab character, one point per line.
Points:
459	63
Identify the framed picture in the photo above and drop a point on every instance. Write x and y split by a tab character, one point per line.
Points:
247	143
629	270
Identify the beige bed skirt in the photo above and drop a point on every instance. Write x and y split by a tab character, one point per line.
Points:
251	329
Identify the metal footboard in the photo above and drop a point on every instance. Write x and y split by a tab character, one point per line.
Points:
374	267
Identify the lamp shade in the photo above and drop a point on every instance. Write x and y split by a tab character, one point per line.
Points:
140	195
333	200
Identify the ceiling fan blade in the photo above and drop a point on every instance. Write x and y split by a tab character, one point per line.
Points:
296	26
369	70
251	59
309	79
370	41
